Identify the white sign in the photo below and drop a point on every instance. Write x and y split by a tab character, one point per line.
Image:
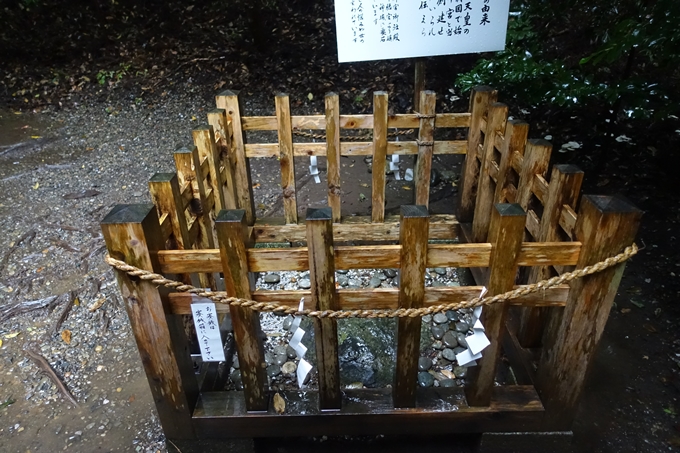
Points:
208	331
383	29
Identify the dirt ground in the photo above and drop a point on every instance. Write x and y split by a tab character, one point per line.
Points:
70	154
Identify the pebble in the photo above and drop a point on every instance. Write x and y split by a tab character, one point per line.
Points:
395	280
461	326
424	363
460	336
391	273
447	383
450	340
440	318
304	283
449	354
354	283
280	359
98	348
438	345
290	352
287	322
272	278
342	280
280	349
381	275
427	319
342	271
235	363
269	358
374	282
437	332
273	370
425	379
458	350
438	284
452	315
440	270
460	371
288	368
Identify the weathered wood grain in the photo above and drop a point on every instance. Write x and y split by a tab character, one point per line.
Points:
403	148
535	162
515	140
379	156
286	160
423	168
217	118
204	140
318	122
332	103
414	222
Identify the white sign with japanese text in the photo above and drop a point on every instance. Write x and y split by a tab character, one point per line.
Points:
208	331
383	29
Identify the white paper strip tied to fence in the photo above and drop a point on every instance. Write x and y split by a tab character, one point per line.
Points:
477	341
314	169
300	349
394	166
208	331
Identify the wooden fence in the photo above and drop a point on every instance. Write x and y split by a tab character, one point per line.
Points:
514	227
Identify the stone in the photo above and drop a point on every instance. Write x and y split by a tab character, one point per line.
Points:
440	318
381	275
288	368
427	319
272	278
462	326
443	362
273	370
438	284
448	175
280	359
435	177
280	349
447	383
235	363
290	352
342	280
390	273
354	283
459	349
440	270
437	332
424	363
449	354
287	322
396	280
460	336
452	315
342	271
438	345
450	340
269	358
460	371
235	376
304	283
374	282
425	379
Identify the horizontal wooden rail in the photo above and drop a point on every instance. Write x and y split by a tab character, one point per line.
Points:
355	148
318	122
378	298
375	257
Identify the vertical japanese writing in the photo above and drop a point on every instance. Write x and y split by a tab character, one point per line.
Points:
485	13
386	18
445	17
207	331
357	18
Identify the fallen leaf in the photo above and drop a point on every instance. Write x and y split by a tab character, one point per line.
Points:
81	194
66	336
193	118
36	136
649	328
256	185
310	96
637	304
131	399
12	335
279	404
625	310
37	184
363	184
96	304
0	343
89	149
448	374
406	187
76	302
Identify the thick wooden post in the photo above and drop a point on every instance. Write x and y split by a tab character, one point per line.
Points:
535	162
428	100
322	276
167	196
333	154
480	99
229	100
505	234
498	114
605	226
564	189
418	81
413	238
379	156
132	234
285	128
204	139
232	233
515	141
218	120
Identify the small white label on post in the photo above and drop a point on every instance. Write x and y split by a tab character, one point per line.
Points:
208	331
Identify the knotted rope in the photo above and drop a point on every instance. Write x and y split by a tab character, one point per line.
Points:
221	297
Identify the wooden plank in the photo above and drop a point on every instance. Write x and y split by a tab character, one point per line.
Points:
379	156
132	234
324	297
498	114
286	160
232	232
516	133
229	101
218	120
535	162
533	223
605	226
505	233
423	168
480	99
418	82
369	411
568	219
332	103
403	148
378	298
414	221
564	189
204	139
165	194
318	122
540	188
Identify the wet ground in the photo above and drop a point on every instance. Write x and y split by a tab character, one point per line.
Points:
62	170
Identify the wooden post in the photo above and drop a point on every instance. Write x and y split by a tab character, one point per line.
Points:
132	234
218	120
418	81
285	128
379	156
229	100
204	139
498	114
166	195
413	238
333	154
322	276
428	101
515	141
535	162
564	189
480	99
605	226
232	233
505	234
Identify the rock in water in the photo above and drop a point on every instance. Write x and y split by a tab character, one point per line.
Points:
287	322
460	371
425	379
424	363
289	368
450	339
449	355
273	370
391	273
437	332
440	318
